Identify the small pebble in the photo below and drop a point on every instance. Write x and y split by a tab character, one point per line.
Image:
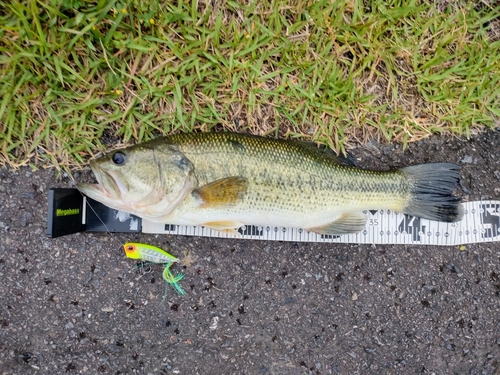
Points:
29	195
467	159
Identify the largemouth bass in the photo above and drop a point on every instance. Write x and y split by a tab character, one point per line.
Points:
226	180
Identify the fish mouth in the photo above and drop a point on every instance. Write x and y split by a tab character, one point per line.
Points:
109	185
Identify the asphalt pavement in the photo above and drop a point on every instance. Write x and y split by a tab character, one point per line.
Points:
76	305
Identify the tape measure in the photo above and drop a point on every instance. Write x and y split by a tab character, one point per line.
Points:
481	223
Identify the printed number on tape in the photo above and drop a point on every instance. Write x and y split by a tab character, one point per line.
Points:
481	223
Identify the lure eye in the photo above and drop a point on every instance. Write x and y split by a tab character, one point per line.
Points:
118	158
130	248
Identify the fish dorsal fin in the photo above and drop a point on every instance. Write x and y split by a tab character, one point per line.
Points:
224	192
325	151
351	222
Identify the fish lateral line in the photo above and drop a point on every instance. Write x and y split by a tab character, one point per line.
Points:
219	179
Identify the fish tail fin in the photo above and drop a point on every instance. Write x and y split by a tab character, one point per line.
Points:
431	192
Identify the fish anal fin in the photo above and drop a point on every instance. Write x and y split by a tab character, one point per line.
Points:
224	192
351	222
227	226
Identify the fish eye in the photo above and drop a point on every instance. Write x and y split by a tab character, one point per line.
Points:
118	158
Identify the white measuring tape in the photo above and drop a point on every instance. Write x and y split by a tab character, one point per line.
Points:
481	223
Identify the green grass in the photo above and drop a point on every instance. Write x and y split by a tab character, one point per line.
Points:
79	76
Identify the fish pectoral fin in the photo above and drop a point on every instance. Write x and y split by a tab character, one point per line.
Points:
351	222
224	192
228	226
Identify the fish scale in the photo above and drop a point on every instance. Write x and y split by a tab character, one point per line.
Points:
325	178
224	180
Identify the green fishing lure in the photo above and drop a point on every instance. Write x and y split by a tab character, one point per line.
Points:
154	254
